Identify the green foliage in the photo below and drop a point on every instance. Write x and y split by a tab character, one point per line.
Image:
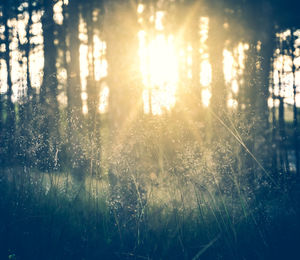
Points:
53	216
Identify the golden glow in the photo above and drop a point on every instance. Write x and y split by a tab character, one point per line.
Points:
162	55
234	66
159	20
206	95
232	103
84	96
83	62
160	60
84	109
58	12
205	74
228	61
3	77
104	95
140	8
159	69
100	68
84	72
235	86
205	66
100	63
283	73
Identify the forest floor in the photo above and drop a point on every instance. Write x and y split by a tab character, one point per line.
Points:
54	216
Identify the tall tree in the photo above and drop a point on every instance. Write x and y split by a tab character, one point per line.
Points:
295	119
265	50
281	118
216	44
74	86
93	15
10	107
74	108
25	106
28	49
48	96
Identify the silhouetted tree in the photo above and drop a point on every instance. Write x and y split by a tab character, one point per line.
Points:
10	124
216	44
48	106
295	109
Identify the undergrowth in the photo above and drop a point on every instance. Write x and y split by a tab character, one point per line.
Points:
44	218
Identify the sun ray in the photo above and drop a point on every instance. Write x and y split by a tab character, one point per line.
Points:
159	69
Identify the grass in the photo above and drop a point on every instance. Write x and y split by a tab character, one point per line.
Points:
164	220
166	192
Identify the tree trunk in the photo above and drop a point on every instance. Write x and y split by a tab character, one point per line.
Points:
93	92
75	118
274	126
48	96
216	39
265	50
27	51
295	119
74	86
25	123
10	107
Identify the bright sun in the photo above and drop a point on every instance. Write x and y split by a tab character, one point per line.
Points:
159	68
160	62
